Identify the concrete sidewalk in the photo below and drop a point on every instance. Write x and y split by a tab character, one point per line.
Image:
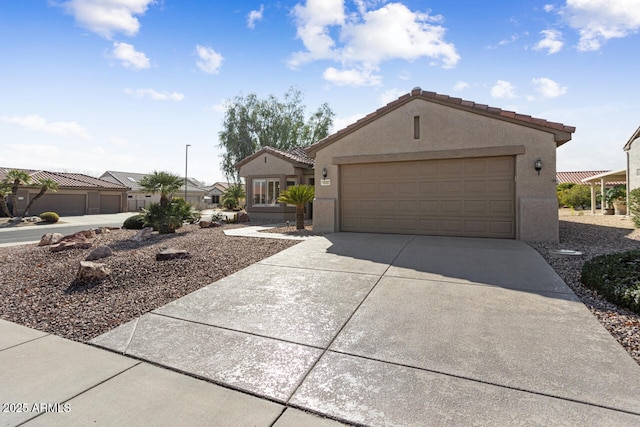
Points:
361	328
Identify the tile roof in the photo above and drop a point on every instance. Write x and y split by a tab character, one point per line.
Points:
577	177
562	132
68	180
296	155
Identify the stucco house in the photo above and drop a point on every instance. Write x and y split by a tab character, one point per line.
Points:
266	173
214	192
137	199
78	194
632	148
431	164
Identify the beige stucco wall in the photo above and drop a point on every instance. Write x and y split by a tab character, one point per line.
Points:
633	165
270	166
447	132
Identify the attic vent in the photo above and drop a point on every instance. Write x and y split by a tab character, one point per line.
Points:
416	127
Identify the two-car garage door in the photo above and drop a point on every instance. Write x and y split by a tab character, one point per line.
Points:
452	197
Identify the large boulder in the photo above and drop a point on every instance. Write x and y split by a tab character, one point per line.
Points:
80	240
50	239
91	272
170	253
204	224
243	217
99	253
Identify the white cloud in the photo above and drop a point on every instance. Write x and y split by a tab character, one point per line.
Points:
254	15
600	20
119	141
352	77
548	7
460	86
362	39
40	124
551	42
340	123
548	88
391	95
106	17
210	60
129	56
503	89
155	95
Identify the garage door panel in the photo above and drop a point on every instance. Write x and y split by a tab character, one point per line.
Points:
388	207
457	197
407	188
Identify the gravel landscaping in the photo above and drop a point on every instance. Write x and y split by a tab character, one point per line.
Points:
595	235
38	286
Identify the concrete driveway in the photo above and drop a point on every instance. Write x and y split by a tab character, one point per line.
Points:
398	330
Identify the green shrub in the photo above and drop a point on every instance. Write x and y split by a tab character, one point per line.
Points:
135	222
616	277
168	218
634	206
51	217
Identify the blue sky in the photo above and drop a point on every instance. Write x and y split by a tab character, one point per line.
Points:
94	85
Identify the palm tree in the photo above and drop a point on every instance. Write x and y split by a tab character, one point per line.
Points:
298	195
45	184
231	198
164	183
5	190
16	177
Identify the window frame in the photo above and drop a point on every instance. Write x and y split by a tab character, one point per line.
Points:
266	186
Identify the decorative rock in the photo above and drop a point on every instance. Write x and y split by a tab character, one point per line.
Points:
99	252
142	234
243	217
90	272
205	224
80	240
33	219
216	224
102	230
167	254
50	239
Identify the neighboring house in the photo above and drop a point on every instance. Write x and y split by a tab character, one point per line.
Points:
269	171
594	179
78	194
632	148
214	192
435	165
137	199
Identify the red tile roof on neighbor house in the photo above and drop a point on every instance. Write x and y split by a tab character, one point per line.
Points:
296	155
68	180
577	177
562	132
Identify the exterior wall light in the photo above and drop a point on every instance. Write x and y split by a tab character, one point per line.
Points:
538	165
324	172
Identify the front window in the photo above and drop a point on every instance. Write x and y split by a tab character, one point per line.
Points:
266	192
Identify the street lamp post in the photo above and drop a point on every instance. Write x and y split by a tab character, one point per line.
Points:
186	162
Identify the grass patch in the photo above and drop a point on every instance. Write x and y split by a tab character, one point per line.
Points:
616	277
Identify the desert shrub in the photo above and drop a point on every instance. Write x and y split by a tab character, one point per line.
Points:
217	217
49	217
634	206
616	277
168	218
576	196
135	222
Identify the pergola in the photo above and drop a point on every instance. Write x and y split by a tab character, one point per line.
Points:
602	179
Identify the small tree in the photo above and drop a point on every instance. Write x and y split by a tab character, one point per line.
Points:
5	190
231	197
16	177
298	195
164	183
45	184
576	196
